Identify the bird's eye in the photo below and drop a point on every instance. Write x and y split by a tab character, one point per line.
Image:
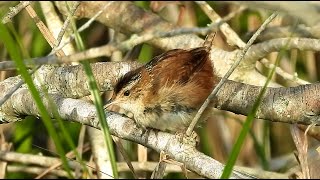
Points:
126	93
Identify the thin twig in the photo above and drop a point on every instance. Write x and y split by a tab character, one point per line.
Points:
135	40
76	163
14	11
83	27
106	50
66	24
35	170
282	73
225	77
43	29
232	37
235	39
306	12
69	155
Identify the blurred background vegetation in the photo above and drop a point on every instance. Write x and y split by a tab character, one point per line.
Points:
267	141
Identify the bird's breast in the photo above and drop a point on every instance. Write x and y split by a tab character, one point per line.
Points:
158	118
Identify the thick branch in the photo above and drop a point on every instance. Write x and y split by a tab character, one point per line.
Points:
262	49
71	81
300	104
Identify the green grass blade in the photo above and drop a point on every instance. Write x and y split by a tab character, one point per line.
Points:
246	126
66	134
98	103
259	147
15	54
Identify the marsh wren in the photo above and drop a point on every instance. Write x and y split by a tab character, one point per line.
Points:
166	93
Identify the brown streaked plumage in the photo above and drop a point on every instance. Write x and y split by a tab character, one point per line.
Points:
166	93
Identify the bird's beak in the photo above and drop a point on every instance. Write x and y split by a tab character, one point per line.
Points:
109	101
108	104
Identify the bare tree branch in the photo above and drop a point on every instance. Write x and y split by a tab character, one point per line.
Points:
305	11
14	11
275	32
260	50
36	170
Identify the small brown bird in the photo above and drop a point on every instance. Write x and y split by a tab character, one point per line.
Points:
167	92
